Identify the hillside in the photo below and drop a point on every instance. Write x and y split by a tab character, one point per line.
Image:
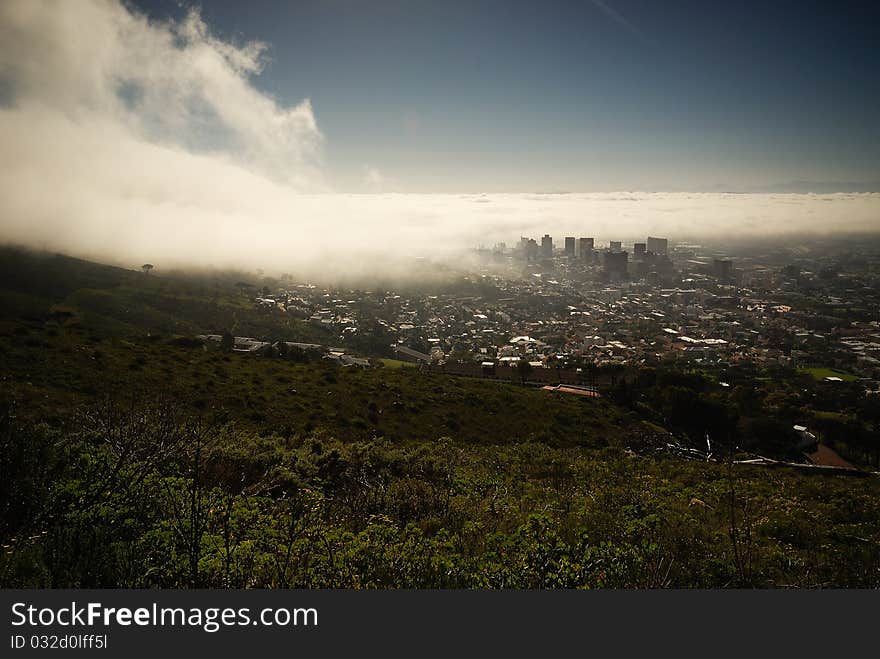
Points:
112	301
135	456
51	371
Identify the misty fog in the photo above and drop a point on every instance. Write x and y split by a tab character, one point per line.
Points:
126	140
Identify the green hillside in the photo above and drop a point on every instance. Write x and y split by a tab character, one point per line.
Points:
111	301
134	456
52	371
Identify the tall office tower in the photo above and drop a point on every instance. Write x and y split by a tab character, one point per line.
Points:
546	247
723	269
585	249
531	250
614	245
639	251
615	264
569	247
657	245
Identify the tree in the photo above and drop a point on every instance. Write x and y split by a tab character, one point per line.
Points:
244	288
524	368
227	342
146	267
63	315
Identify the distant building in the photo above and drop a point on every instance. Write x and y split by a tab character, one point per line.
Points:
585	249
546	247
614	264
407	354
251	345
531	250
639	250
569	247
641	268
659	246
614	245
723	270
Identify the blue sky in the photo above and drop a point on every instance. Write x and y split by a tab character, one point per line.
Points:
620	94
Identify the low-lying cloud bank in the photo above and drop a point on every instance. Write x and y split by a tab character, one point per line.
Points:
131	141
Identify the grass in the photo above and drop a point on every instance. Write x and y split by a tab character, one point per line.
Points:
53	370
820	373
834	416
396	363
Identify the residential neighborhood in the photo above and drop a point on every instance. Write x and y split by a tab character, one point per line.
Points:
693	306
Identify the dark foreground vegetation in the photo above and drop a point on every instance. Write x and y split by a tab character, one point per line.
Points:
131	455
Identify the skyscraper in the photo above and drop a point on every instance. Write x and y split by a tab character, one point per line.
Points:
615	264
722	269
569	247
585	249
531	250
639	251
614	245
546	247
657	245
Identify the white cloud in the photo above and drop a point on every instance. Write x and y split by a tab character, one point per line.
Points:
133	141
374	180
170	84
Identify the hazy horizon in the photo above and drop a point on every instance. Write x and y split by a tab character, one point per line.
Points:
159	137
